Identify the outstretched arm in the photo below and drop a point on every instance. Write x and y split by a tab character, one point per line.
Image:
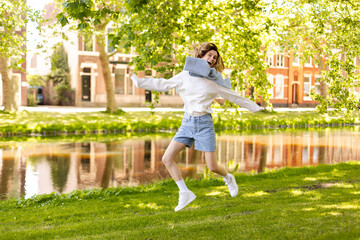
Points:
155	84
232	96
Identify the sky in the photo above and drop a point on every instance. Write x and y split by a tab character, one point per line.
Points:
38	4
31	28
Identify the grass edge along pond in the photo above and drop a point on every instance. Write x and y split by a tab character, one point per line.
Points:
320	202
47	124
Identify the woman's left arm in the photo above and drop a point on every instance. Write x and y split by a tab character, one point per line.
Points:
156	84
232	96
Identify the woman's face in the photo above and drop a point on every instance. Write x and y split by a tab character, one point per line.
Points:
211	57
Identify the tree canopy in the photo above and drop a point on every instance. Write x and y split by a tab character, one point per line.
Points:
330	30
163	33
13	18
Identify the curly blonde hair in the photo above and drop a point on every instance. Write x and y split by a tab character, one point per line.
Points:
206	47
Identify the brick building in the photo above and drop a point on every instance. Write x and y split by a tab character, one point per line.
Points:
87	80
20	82
291	79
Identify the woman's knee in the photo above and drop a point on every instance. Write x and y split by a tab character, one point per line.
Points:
167	160
213	167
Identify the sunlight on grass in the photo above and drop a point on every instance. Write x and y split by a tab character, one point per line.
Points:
149	205
195	206
256	194
343	185
313	195
308	209
356	193
216	193
313	179
296	192
337	173
334	213
341	206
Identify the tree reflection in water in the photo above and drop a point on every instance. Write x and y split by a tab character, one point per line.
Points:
36	168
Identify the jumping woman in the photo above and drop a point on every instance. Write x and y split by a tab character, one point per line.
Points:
198	85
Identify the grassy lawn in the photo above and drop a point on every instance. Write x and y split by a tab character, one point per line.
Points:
321	202
84	123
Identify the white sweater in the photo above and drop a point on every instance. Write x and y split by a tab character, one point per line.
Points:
197	93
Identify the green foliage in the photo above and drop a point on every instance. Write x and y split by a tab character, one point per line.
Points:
86	123
60	71
163	34
35	80
325	30
12	20
60	74
237	27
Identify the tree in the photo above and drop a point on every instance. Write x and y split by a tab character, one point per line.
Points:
165	32
13	18
60	73
330	30
92	17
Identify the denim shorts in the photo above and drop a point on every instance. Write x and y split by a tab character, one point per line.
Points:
199	129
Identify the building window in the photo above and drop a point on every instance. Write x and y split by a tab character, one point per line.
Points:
169	75
110	48
307	85
279	86
271	81
269	59
119	81
88	43
17	84
1	90
308	62
317	84
130	86
148	73
296	60
280	60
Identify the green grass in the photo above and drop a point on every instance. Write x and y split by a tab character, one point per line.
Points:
319	202
30	123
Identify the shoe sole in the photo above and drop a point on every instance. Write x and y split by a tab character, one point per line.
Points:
187	202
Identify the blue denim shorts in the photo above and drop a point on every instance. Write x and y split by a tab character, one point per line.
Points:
198	129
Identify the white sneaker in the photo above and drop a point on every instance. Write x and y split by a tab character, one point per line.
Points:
233	187
184	199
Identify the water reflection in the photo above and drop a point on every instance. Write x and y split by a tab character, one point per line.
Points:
35	168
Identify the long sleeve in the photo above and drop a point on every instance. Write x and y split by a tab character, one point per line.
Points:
156	84
232	96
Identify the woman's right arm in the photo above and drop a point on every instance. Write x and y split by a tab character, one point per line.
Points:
156	84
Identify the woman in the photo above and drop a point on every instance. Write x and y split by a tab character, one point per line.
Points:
198	88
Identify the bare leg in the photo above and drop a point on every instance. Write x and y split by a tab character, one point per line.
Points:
169	159
229	179
212	164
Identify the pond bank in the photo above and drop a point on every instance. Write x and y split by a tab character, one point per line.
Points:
62	124
319	202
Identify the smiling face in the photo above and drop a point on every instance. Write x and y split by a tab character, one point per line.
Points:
211	57
210	53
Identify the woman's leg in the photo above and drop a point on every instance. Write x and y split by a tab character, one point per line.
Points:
210	158
230	181
185	195
169	158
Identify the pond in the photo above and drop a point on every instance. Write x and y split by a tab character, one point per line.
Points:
28	168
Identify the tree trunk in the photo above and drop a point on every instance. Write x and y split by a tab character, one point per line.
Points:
105	64
8	86
323	86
